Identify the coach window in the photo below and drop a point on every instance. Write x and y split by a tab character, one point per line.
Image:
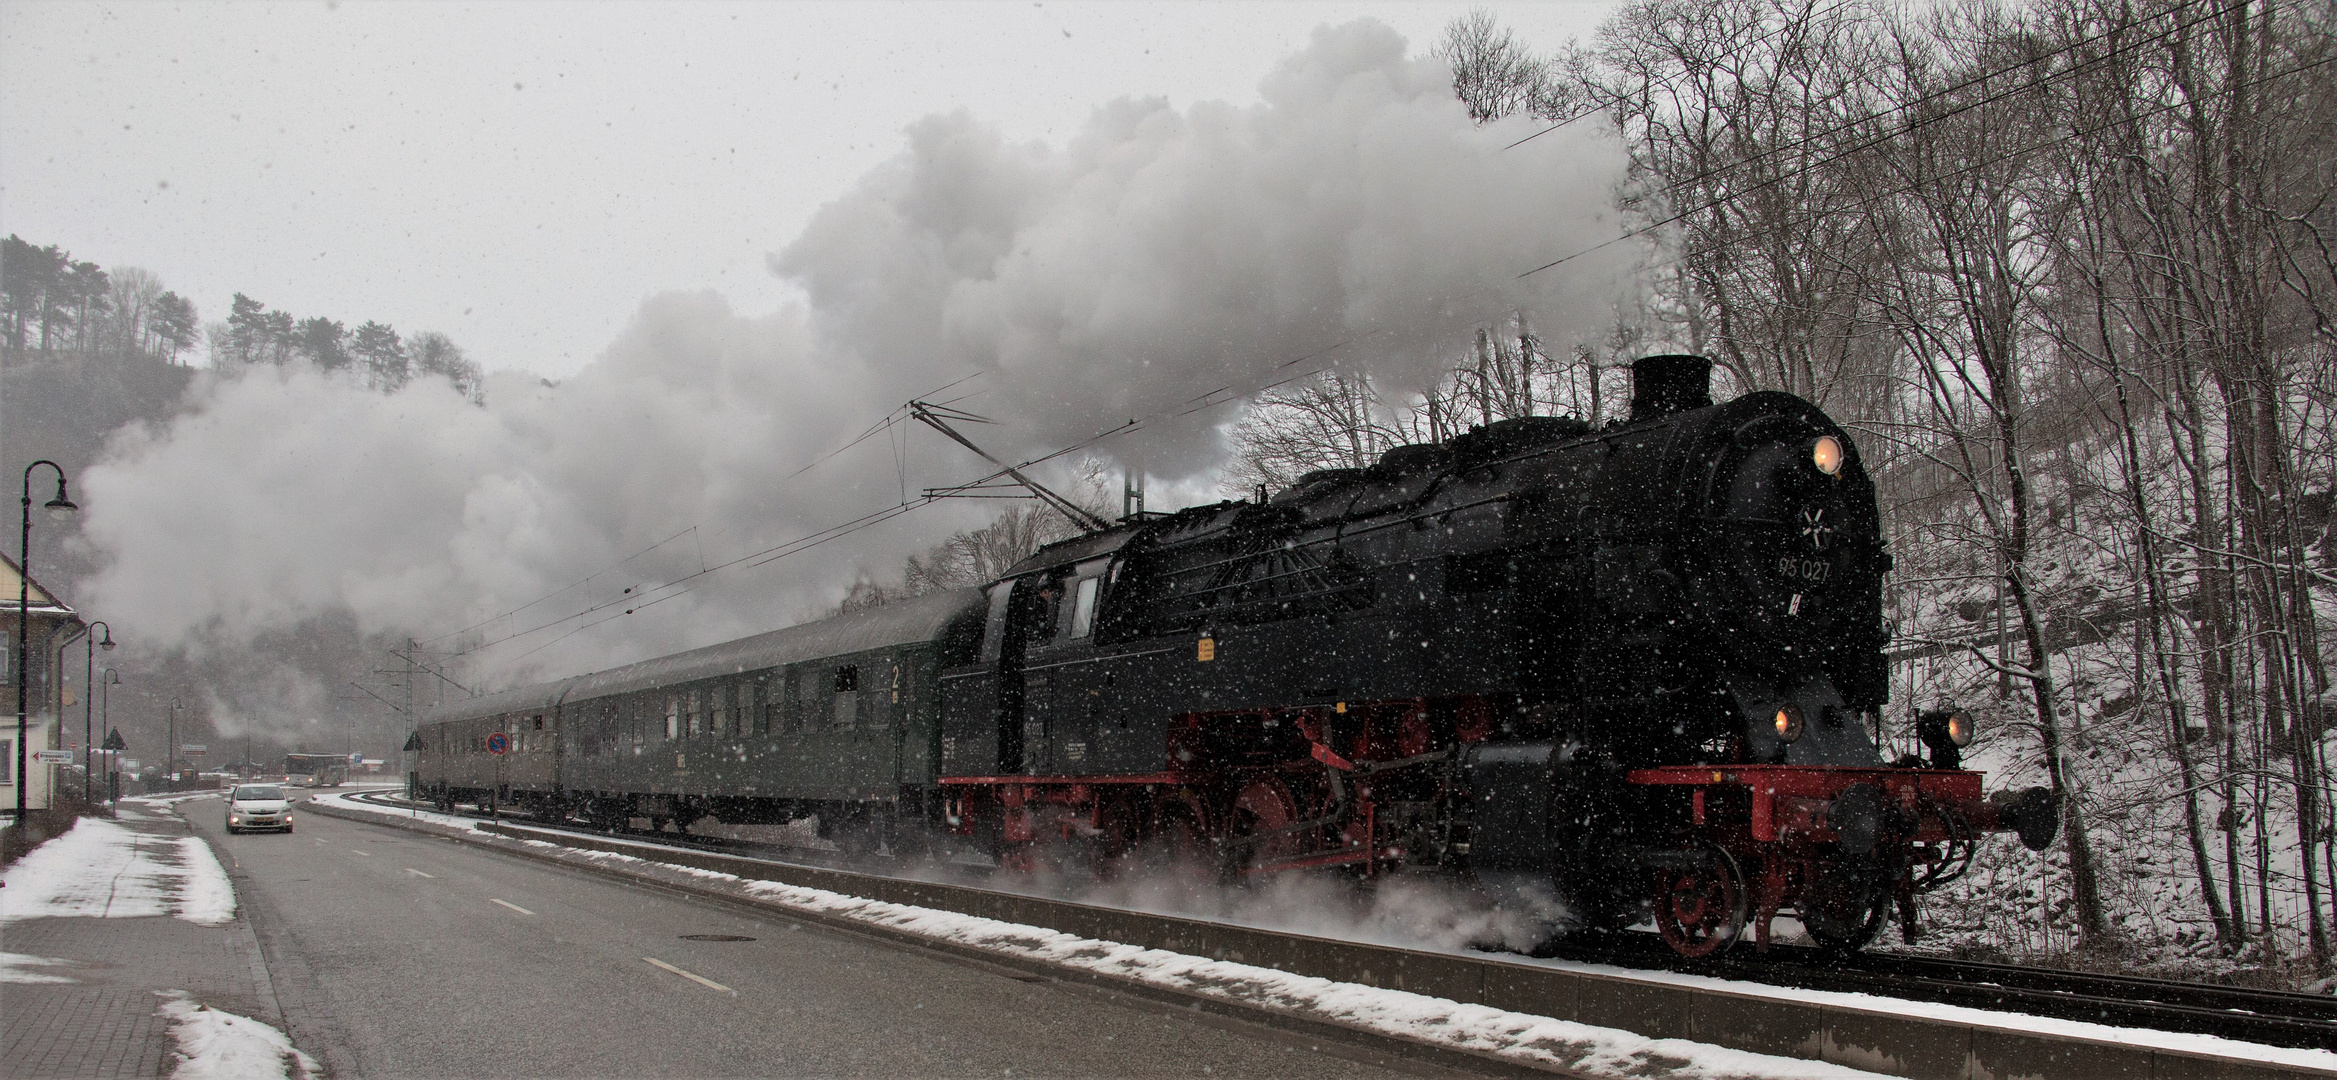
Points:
718	710
847	697
673	717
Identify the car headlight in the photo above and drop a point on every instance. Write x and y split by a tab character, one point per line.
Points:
1787	722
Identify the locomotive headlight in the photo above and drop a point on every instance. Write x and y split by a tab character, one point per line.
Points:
1827	455
1945	732
1787	722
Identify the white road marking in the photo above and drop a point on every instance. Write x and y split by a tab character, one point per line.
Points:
418	873
367	854
512	906
699	979
320	843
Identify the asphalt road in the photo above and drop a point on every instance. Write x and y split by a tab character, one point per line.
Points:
400	955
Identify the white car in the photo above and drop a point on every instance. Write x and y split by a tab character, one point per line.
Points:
258	806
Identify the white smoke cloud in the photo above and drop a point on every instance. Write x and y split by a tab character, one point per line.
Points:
1166	253
1162	254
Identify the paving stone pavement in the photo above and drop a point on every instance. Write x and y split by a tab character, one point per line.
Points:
104	1023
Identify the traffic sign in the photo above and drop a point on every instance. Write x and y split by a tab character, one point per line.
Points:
194	749
498	743
113	741
53	757
357	759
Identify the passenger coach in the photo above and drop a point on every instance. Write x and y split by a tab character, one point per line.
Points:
837	718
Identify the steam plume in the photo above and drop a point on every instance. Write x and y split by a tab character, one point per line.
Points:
1162	254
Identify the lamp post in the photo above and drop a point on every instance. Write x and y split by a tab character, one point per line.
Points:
105	715
89	644
170	750
60	508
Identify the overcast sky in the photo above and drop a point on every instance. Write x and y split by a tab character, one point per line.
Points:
522	175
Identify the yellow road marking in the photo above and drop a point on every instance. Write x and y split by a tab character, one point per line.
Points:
512	906
699	979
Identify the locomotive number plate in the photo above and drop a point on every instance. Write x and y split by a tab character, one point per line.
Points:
1805	569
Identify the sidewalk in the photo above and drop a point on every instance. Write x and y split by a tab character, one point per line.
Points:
138	930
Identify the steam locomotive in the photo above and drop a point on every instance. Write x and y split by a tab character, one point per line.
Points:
1625	672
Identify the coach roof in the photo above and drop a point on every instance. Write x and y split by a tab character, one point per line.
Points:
522	699
902	622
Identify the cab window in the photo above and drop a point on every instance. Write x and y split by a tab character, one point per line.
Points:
1083	606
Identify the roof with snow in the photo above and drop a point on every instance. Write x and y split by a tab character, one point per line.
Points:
37	599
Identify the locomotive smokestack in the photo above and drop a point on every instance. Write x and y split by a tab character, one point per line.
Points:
1662	385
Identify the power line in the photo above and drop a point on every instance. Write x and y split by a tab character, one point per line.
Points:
883	424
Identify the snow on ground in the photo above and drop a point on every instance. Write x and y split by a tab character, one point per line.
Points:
101	869
215	1045
347	800
20	968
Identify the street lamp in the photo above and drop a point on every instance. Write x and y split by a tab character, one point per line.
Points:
60	508
89	644
170	751
105	715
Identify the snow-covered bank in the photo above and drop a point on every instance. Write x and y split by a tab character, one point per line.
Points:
215	1045
104	870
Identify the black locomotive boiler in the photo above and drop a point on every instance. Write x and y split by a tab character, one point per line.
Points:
1631	668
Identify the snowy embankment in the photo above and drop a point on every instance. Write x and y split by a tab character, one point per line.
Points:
215	1045
103	870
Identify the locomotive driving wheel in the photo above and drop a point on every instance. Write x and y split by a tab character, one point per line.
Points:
1846	906
1700	902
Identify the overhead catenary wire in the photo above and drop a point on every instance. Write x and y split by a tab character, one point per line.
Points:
885	423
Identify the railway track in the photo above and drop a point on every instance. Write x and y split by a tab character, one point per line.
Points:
2262	1016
